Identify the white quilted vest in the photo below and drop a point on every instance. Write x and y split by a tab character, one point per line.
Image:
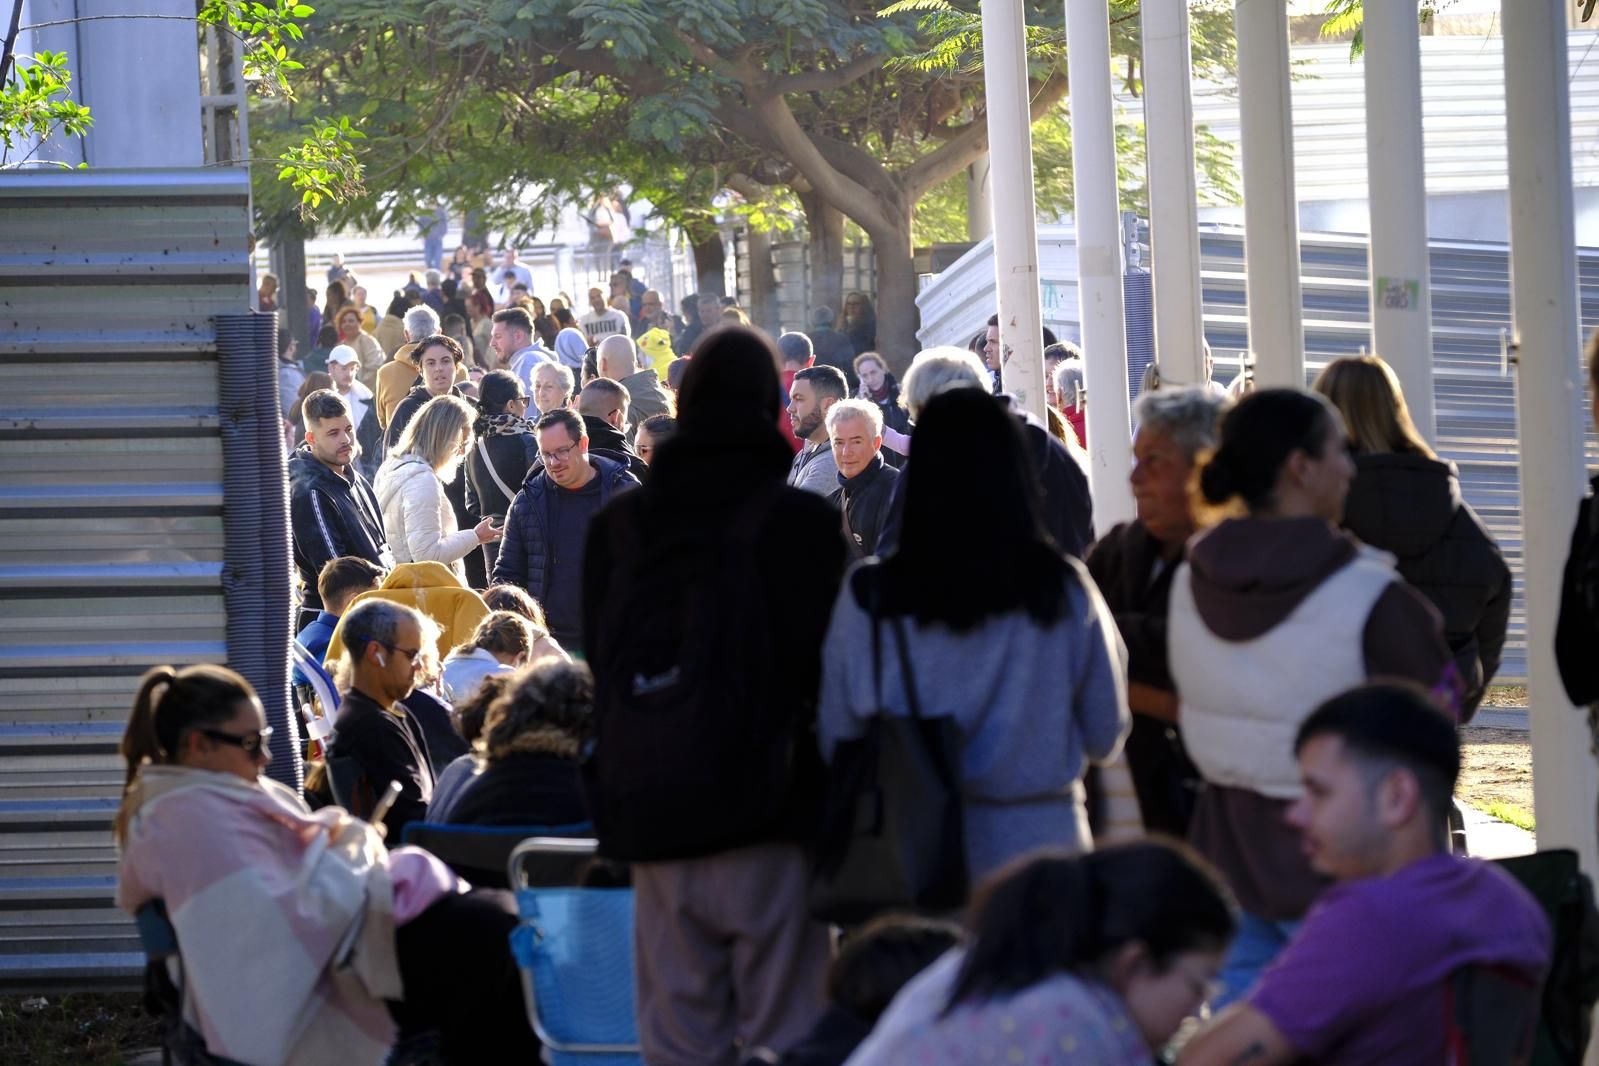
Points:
1243	701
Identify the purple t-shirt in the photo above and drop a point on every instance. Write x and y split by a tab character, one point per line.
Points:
1363	980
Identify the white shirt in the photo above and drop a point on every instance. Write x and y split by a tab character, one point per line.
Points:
524	276
601	324
526	362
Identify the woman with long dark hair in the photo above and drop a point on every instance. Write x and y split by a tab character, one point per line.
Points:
502	452
330	926
1274	612
1004	632
1096	959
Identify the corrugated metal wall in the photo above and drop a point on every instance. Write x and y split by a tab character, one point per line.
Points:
111	542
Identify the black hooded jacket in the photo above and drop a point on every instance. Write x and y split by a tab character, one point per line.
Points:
1410	505
863	501
331	516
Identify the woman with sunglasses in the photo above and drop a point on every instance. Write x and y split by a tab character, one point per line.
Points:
299	932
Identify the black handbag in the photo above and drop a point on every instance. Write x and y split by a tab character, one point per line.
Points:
893	834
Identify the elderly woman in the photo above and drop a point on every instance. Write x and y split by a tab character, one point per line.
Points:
1133	565
528	769
339	927
553	387
417	515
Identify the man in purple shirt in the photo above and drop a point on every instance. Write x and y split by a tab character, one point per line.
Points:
1368	976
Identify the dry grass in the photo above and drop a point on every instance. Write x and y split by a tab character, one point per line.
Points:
75	1029
1496	770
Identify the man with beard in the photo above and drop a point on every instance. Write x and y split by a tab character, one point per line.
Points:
815	389
332	508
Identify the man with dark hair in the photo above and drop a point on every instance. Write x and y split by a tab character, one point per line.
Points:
341	580
332	509
831	347
708	315
511	339
815	389
603	403
1371	975
547	528
797	353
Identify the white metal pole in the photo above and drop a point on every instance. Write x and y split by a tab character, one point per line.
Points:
979	208
1271	209
1099	260
1401	303
1543	271
1173	207
1010	149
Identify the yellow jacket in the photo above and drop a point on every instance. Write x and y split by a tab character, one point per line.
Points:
434	590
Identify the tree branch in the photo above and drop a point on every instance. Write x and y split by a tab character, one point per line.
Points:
956	154
827	80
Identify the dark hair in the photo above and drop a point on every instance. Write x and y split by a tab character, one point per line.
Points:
993	320
321	404
498	388
438	340
517	600
471	712
614	392
732	379
591	364
567	419
449	287
1394	724
452	324
398	304
554	696
826	380
328	335
1052	913
796	348
675	371
169	704
1062	350
564	318
1257	437
661	427
346	574
967	438
285	338
515	318
874	963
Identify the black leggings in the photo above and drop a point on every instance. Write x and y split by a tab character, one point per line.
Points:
461	980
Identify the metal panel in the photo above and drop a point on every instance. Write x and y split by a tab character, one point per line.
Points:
111	541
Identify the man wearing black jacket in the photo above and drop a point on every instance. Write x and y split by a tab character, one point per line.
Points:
866	482
604	403
332	508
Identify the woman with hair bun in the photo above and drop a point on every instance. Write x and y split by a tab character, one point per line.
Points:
1274	612
304	912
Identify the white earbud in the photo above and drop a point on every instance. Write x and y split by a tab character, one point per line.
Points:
382	661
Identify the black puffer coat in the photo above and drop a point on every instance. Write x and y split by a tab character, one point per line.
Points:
1411	506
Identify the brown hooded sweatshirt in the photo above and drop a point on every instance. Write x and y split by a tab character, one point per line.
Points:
1248	575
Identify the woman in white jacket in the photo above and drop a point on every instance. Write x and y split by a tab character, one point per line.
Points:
417	516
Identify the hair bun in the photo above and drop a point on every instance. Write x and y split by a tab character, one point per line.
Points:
1216	480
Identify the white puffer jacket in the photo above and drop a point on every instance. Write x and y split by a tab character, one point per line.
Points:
417	516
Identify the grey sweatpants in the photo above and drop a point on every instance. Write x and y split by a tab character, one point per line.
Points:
728	959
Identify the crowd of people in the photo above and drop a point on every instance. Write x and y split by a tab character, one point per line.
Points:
679	592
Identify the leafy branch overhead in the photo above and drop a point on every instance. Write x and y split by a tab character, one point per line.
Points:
35	103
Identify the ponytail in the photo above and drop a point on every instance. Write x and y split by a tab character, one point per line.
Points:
169	704
1258	435
1051	913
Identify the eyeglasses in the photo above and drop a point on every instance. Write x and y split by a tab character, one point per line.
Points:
409	653
252	743
559	455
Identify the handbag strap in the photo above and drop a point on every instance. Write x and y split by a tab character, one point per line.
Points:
903	647
482	449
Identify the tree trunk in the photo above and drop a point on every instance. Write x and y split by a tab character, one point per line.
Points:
288	254
763	280
710	262
825	225
897	315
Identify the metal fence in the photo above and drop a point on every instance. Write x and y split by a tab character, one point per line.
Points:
111	538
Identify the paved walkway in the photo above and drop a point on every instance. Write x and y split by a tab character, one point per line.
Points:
1489	838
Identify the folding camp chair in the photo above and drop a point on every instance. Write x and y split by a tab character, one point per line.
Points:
181	1044
480	853
574	947
1572	985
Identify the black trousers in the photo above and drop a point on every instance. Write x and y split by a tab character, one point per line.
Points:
461	980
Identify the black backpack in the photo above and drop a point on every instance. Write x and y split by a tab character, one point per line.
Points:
699	747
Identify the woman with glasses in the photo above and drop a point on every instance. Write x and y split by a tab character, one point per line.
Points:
299	932
1094	959
417	515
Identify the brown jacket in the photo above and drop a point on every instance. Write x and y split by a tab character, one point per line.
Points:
397	378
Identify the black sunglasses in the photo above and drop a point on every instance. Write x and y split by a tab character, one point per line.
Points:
252	743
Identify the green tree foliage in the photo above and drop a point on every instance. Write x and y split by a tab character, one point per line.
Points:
35	104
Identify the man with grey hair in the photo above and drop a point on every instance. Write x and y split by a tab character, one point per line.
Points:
384	643
1133	565
618	359
866	483
399	375
1068	508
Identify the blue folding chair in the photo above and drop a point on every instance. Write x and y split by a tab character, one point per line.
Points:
480	853
574	947
181	1044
